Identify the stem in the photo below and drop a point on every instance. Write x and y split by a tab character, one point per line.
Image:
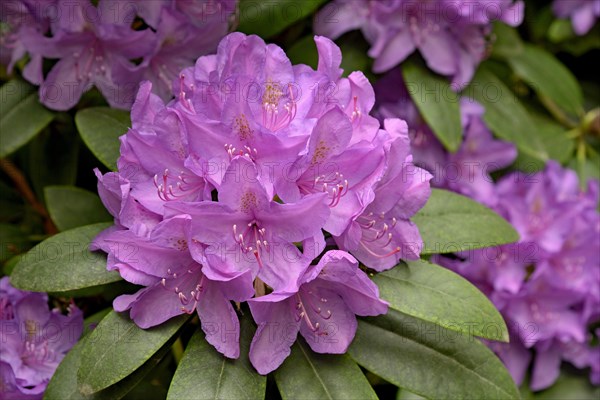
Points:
177	350
557	113
23	187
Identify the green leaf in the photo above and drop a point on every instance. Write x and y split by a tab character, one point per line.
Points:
63	385
118	347
71	207
560	30
556	142
507	42
321	376
548	77
13	241
437	103
450	222
58	153
429	360
436	294
63	262
100	128
21	116
504	114
12	93
304	51
569	387
204	373
269	18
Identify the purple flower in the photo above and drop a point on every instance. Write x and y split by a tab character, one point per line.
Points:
449	34
34	340
583	13
323	310
184	31
467	171
225	193
104	45
547	286
20	18
93	47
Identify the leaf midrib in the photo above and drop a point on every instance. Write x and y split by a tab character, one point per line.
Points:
301	346
103	356
430	349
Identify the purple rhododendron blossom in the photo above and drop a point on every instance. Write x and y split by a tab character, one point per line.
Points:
34	341
547	286
583	13
450	34
106	46
467	171
323	310
227	193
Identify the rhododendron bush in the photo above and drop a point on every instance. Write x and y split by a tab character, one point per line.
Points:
299	199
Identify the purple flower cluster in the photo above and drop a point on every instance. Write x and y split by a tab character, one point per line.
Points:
547	285
33	341
263	182
112	46
583	13
467	171
451	35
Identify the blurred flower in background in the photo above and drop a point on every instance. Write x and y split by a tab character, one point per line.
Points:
112	46
450	35
467	171
34	340
583	13
547	286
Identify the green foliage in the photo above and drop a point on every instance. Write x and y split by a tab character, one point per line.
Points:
321	376
117	347
437	103
269	18
100	128
435	294
22	116
450	223
204	373
429	360
548	77
72	207
63	263
504	113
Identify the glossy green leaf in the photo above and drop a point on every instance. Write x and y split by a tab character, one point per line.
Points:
568	387
63	262
21	116
548	77
117	347
63	385
12	93
450	222
100	128
53	158
507	42
312	375
71	207
504	114
429	360
437	103
304	51
560	30
436	294
268	18
556	142
204	373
